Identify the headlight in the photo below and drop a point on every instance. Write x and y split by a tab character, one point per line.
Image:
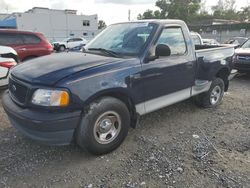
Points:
45	97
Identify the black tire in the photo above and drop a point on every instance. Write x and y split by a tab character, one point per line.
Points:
87	138
204	99
62	48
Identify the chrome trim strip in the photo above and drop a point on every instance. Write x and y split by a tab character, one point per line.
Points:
163	101
200	86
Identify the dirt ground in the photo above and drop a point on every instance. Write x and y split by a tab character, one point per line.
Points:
179	146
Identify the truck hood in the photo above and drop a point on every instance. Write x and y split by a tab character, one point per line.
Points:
48	70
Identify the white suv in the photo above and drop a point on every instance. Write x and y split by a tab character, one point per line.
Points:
69	43
8	59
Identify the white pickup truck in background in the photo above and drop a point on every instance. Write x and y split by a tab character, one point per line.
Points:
68	43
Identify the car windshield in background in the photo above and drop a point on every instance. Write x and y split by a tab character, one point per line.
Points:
66	40
246	44
125	39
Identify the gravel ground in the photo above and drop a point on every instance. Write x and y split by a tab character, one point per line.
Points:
179	146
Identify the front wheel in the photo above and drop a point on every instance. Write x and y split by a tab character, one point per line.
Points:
104	127
213	97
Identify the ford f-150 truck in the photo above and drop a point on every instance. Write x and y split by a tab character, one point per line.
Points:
128	70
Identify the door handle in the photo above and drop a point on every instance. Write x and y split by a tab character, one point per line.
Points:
23	49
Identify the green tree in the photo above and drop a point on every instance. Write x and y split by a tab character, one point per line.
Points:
195	10
149	14
244	14
225	9
101	24
174	9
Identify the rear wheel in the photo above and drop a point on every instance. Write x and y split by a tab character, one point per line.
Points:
213	97
104	127
62	48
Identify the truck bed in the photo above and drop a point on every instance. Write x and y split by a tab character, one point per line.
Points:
202	47
210	58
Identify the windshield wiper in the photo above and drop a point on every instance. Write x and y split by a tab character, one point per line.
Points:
109	52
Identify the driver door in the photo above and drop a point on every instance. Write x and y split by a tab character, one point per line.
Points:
169	79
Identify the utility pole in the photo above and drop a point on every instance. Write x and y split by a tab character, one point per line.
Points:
129	15
221	4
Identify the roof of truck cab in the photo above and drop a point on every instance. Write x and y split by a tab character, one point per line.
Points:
158	21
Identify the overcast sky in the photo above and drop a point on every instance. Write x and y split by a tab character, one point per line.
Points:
110	11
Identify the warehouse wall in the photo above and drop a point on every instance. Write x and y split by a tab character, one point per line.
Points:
224	32
56	25
222	36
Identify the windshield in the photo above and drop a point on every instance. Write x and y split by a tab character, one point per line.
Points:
123	39
246	44
65	40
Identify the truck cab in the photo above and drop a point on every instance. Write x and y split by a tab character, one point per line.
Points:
128	70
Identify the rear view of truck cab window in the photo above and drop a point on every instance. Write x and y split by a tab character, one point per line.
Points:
173	37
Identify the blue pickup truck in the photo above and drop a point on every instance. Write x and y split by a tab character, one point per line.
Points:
128	70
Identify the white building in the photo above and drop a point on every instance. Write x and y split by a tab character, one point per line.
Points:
54	24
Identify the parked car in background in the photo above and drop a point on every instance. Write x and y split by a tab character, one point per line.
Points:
28	45
8	59
242	57
94	97
196	37
69	43
8	52
210	42
77	48
237	41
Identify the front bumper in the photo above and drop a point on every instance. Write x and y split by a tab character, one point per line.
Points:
4	83
242	66
56	46
44	127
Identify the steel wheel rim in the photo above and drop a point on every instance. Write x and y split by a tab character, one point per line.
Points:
107	127
215	95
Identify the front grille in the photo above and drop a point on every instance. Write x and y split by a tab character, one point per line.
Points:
18	91
244	58
241	66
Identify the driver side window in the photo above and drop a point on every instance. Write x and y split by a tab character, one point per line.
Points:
173	37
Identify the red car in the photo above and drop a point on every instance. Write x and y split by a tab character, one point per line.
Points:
27	44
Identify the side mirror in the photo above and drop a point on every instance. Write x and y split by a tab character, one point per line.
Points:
162	50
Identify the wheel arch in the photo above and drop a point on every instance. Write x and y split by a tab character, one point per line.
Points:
223	73
118	93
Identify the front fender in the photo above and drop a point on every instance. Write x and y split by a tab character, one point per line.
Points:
89	84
